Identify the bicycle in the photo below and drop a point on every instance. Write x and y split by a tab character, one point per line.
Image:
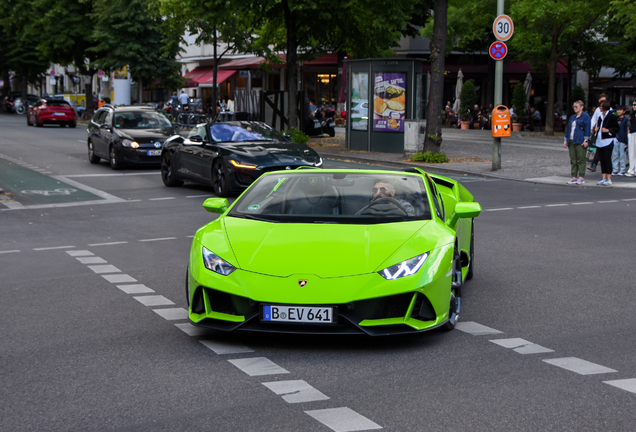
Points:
87	114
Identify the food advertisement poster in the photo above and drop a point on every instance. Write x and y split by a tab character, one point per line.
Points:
389	102
360	101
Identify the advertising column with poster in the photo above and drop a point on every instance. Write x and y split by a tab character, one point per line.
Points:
389	102
360	101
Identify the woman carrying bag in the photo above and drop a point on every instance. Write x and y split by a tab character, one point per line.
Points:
608	128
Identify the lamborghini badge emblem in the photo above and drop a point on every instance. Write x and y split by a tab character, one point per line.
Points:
302	282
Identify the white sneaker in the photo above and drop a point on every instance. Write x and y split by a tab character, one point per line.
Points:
629	175
608	182
601	182
620	174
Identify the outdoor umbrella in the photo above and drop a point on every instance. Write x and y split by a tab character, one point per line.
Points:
458	89
527	85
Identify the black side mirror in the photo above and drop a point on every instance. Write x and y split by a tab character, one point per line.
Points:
287	136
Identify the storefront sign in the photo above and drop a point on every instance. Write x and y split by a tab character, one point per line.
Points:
121	73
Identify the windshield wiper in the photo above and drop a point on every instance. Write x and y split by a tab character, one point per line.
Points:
260	219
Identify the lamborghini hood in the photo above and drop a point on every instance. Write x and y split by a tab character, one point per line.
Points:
325	250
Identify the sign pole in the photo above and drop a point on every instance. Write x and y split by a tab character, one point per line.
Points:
496	142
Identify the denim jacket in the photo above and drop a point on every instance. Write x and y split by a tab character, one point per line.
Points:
582	129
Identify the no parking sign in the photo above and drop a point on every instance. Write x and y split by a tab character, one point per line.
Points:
498	50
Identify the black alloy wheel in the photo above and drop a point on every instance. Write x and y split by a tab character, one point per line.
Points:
92	157
168	175
113	159
471	263
456	292
220	179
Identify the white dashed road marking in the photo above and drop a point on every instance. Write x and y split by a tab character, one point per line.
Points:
158	239
107	268
161	199
624	384
108	244
78	253
343	420
10	251
119	278
53	248
475	329
135	289
297	391
91	260
192	330
579	366
521	346
172	314
258	366
154	300
226	347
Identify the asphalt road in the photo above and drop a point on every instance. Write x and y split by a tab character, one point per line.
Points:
546	341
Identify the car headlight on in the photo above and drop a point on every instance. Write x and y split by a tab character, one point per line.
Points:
129	143
242	164
216	263
405	268
319	163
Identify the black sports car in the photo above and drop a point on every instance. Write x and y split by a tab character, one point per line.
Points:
127	135
229	156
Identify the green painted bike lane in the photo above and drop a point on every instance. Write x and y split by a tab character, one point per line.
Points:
29	187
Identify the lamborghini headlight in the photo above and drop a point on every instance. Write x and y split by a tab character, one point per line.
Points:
405	268
216	263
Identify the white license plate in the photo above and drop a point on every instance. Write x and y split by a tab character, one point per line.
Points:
332	124
299	314
154	152
59	114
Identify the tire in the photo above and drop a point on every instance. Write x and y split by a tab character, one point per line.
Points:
37	122
92	157
168	176
471	265
331	132
28	122
220	179
113	159
186	287
20	110
456	292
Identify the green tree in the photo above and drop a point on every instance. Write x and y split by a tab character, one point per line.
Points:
545	30
129	32
519	101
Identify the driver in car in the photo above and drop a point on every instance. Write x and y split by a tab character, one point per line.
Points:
385	189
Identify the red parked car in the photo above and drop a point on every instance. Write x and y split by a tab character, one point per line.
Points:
52	111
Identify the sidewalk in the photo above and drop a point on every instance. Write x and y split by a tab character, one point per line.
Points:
525	156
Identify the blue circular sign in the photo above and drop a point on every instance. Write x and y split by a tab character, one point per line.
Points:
498	50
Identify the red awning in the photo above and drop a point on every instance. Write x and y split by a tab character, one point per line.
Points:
247	62
254	62
204	76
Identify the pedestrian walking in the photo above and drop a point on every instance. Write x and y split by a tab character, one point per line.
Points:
631	141
619	158
577	135
608	128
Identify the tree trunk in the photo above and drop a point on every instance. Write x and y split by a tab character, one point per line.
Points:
141	91
215	74
292	80
433	139
554	61
340	104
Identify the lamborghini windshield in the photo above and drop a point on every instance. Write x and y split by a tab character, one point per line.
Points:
334	197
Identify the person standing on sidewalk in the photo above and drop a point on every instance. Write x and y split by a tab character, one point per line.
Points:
577	135
595	116
631	142
605	142
618	155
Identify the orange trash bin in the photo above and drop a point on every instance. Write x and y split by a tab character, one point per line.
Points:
501	122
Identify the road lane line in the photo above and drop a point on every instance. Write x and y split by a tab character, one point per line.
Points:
475	329
629	199
172	314
135	289
295	391
78	253
10	251
161	199
192	330
154	300
581	367
556	205
624	384
119	278
158	239
109	175
582	203
500	209
53	248
108	244
528	207
226	347
343	419
197	196
107	268
91	260
521	346
608	201
258	366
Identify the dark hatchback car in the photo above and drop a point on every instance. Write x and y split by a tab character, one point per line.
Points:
229	156
127	135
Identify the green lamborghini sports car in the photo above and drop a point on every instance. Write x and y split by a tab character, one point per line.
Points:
335	252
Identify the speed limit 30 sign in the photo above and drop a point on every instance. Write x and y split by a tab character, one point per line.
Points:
503	27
